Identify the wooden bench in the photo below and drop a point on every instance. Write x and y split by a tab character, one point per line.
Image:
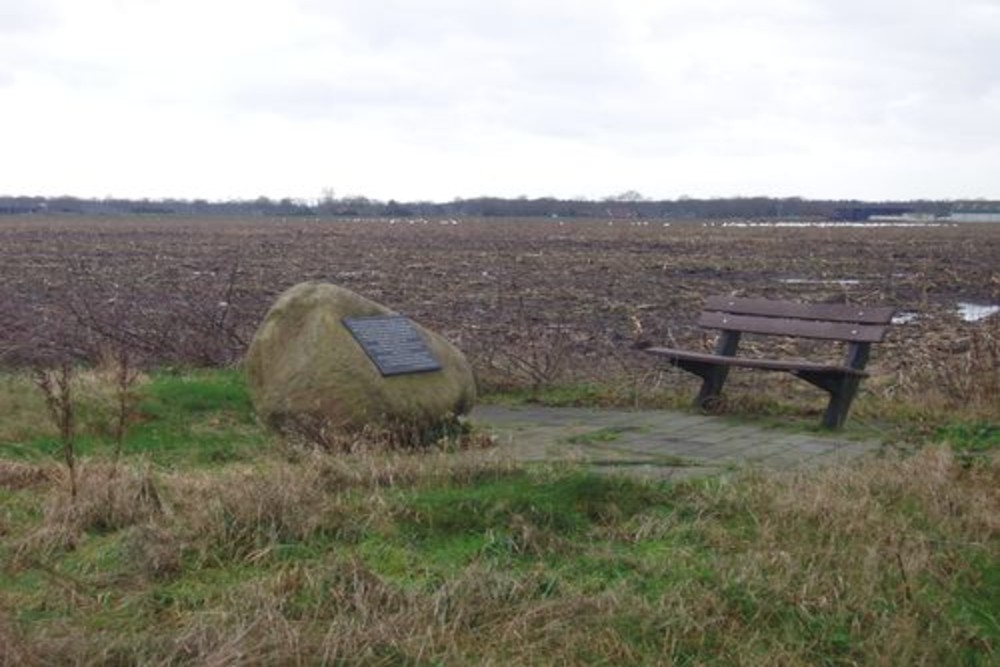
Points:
858	326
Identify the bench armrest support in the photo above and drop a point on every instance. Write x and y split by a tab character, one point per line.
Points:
714	376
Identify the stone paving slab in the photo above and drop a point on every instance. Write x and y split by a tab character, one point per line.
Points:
659	444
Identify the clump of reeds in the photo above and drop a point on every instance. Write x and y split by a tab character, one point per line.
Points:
960	371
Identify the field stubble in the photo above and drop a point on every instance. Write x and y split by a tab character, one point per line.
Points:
534	303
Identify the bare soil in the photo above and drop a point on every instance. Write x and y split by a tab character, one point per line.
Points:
564	297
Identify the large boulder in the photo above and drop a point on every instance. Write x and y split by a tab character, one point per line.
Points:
308	375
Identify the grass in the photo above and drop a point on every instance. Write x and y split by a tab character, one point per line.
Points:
574	394
198	416
974	437
266	555
601	435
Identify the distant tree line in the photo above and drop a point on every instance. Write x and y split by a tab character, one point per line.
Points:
626	205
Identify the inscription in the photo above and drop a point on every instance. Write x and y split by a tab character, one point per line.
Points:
393	344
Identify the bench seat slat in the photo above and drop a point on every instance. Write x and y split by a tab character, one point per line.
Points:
806	311
790	365
776	326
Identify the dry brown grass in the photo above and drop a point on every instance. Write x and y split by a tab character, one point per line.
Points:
960	372
109	497
852	565
244	511
14	651
240	513
835	543
483	616
16	475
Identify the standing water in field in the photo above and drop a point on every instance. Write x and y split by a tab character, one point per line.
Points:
974	312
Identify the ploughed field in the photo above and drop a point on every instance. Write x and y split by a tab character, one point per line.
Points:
529	300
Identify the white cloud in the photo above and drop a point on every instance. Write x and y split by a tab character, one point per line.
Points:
439	98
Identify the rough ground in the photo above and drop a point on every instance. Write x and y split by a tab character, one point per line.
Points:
528	300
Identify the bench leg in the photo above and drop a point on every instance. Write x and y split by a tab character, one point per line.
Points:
841	398
714	375
713	379
842	390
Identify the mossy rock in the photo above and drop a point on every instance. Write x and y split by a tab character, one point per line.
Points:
309	376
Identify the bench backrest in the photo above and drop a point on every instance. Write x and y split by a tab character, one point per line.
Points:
857	324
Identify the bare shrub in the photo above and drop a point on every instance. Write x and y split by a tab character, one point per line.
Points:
162	315
535	353
56	386
106	396
125	377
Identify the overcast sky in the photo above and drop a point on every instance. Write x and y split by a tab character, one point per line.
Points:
437	99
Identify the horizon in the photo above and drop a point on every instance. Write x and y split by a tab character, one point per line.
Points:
610	199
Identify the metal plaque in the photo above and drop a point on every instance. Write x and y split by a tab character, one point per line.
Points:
393	344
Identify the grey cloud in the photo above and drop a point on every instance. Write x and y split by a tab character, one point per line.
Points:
313	99
529	68
855	70
24	16
781	81
530	41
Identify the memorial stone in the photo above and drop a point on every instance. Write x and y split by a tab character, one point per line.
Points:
328	359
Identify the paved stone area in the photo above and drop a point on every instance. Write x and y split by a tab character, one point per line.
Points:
657	443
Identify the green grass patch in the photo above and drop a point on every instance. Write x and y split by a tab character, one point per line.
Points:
564	505
969	437
602	435
202	416
569	395
977	599
199	391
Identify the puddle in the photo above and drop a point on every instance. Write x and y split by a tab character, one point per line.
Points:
819	281
905	317
827	224
974	312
